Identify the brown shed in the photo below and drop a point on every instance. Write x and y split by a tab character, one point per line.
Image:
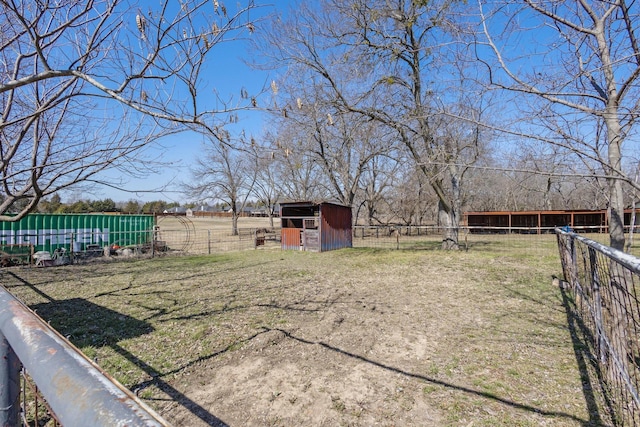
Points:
309	226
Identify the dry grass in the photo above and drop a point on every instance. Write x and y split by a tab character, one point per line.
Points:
350	337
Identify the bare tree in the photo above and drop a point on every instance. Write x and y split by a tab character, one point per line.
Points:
387	61
224	173
300	178
489	189
581	61
343	145
85	85
544	174
267	189
411	200
376	184
527	183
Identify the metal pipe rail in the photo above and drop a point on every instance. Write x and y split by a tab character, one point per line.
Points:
605	288
76	389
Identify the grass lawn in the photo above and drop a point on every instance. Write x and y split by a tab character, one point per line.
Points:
349	337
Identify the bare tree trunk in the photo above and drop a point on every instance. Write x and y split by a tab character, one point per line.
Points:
547	198
448	220
616	197
632	223
449	214
234	218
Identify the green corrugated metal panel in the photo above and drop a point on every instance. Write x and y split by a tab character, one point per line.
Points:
50	231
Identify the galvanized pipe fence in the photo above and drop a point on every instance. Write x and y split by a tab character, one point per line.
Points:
76	391
604	285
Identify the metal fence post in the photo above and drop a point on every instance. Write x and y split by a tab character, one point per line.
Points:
154	241
71	245
596	304
9	384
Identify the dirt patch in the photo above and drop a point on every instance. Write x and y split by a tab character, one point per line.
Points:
352	337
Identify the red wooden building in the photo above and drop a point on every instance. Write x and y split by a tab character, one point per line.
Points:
309	226
539	221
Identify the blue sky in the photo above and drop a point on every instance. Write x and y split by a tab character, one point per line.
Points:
228	75
181	149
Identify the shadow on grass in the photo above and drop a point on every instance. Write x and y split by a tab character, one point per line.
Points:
593	384
483	394
165	387
185	276
87	324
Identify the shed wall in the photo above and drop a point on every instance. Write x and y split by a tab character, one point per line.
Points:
335	228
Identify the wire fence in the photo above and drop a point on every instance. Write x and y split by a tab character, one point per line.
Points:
209	241
183	236
535	241
603	284
34	409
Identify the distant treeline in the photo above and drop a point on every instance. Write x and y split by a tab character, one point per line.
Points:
55	205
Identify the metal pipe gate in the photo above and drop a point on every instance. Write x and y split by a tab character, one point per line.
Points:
76	389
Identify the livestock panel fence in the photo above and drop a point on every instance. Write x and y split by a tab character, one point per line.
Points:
533	241
602	286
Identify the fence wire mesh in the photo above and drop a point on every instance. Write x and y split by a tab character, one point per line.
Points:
539	242
603	287
34	409
208	241
203	239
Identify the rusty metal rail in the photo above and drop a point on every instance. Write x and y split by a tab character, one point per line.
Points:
76	389
604	285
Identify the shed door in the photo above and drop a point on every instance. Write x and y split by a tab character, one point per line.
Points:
311	240
291	238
